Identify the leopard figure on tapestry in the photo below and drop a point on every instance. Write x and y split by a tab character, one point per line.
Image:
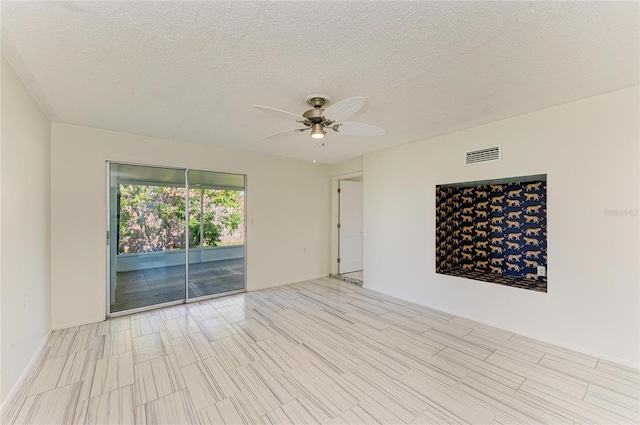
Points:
505	221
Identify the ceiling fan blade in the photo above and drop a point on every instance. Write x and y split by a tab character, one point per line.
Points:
280	114
359	129
284	133
344	109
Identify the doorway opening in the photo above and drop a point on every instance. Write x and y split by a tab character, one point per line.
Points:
350	265
174	236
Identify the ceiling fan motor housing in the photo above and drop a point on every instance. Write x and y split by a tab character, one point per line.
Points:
314	115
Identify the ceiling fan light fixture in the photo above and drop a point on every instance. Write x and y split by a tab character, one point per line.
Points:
317	131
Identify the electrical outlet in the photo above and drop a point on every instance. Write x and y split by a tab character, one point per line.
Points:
542	271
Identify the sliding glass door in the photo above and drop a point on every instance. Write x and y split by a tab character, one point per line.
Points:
216	238
155	214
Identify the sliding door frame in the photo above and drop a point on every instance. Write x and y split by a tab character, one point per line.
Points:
110	241
186	235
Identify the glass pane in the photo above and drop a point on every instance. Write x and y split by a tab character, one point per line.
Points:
148	236
216	233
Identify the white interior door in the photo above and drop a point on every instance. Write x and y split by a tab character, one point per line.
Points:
351	226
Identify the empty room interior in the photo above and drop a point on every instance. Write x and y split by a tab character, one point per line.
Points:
414	212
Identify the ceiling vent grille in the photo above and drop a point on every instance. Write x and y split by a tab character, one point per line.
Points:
478	156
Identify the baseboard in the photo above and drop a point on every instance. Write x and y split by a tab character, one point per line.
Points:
79	323
562	344
25	372
602	356
288	283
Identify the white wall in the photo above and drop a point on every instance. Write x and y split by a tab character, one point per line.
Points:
25	196
287	213
590	151
347	167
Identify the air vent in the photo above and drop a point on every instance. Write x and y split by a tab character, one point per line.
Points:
490	154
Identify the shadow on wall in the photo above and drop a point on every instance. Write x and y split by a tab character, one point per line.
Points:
494	232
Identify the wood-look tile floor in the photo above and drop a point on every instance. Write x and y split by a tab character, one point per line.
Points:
321	351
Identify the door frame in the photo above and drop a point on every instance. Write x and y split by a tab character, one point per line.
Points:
109	240
335	217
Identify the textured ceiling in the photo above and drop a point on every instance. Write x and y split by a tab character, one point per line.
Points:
191	70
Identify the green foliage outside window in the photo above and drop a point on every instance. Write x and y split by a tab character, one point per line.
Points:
152	218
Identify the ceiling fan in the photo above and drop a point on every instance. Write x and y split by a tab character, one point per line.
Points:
318	120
